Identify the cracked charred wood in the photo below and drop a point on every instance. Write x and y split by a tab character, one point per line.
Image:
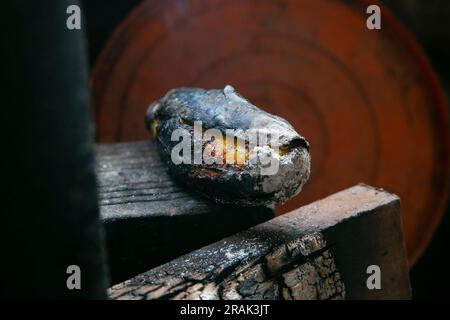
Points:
149	219
319	251
246	156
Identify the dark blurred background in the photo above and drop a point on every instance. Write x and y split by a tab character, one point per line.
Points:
428	21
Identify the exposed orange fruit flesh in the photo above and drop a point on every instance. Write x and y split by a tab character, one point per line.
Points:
231	153
154	126
284	151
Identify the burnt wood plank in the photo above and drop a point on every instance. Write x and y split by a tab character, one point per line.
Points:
319	251
149	219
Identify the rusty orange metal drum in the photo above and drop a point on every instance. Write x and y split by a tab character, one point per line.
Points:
366	100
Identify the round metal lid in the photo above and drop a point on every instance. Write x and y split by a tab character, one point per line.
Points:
367	100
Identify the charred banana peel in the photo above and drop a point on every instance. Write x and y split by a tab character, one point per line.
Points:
221	145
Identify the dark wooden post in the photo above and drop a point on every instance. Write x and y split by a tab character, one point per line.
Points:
50	215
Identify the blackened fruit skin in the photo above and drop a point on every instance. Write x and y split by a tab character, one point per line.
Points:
242	185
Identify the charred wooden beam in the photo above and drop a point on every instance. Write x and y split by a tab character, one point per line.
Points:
149	219
319	251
